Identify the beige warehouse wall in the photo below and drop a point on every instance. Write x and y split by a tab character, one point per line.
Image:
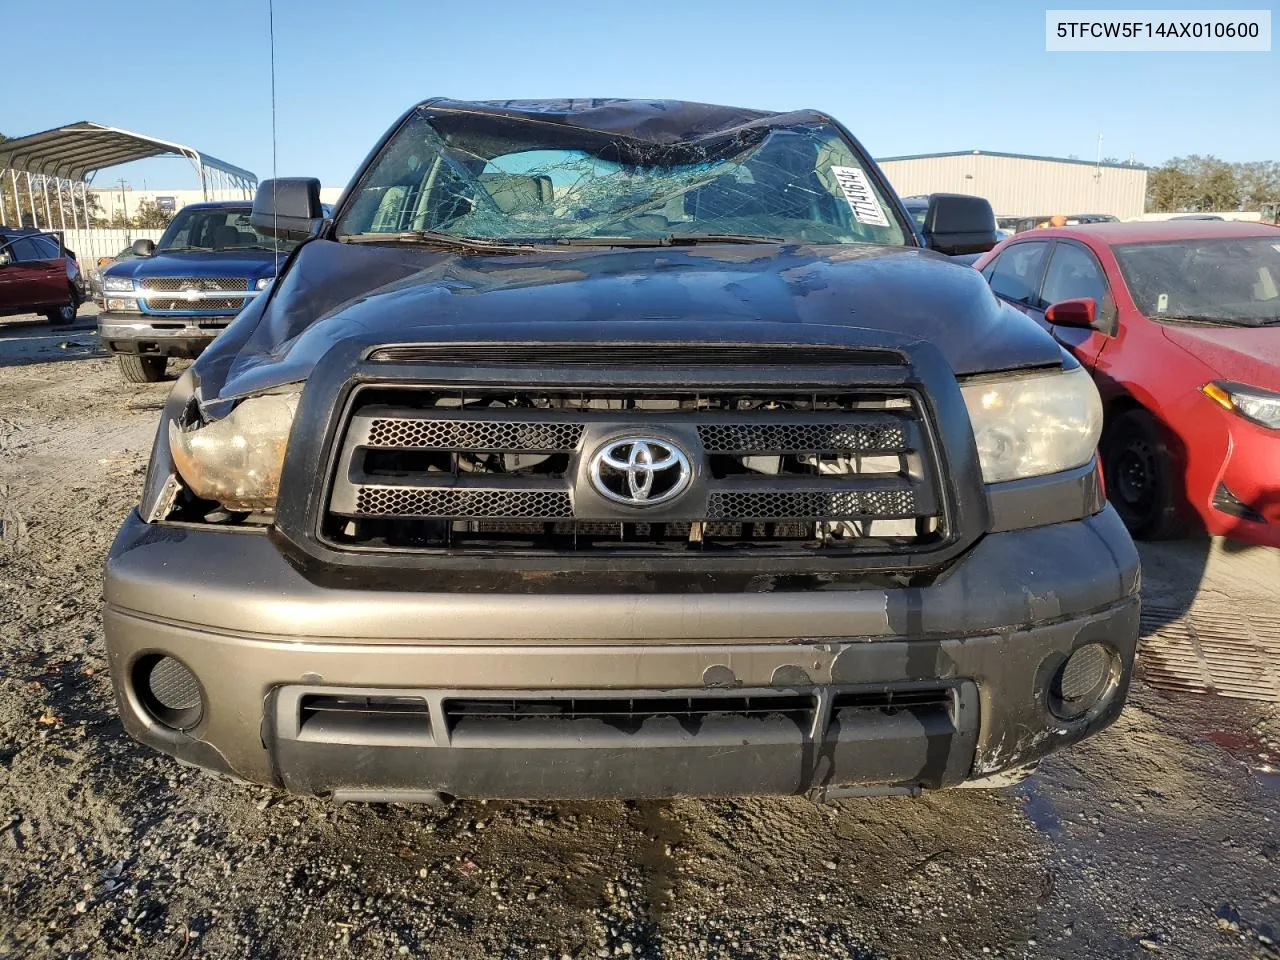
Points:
1021	186
113	199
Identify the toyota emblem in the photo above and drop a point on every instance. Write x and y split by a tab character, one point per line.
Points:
640	471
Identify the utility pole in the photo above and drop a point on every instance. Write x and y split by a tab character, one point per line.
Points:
124	204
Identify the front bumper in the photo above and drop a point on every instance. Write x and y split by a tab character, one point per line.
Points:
1238	495
159	336
261	639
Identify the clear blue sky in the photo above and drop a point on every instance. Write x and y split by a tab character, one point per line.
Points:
906	77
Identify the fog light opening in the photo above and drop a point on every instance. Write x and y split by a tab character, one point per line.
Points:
1085	679
168	691
1229	503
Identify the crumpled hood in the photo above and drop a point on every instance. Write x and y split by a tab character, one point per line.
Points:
1248	355
332	292
253	264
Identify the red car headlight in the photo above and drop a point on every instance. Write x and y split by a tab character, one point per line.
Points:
1252	403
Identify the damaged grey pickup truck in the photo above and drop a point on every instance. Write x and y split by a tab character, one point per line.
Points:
621	449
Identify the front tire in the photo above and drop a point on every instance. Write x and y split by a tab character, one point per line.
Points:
1142	481
136	369
64	315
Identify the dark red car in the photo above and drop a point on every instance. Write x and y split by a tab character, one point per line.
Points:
1179	323
38	275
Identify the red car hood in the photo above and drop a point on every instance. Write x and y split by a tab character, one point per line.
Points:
1245	354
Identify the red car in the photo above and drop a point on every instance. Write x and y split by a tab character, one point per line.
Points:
38	275
1179	322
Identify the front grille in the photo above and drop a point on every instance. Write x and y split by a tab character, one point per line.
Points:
509	469
208	305
630	712
207	284
349	718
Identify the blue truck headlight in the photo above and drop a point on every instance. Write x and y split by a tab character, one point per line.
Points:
117	284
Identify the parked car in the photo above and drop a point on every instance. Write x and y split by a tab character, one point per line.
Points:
38	275
1024	224
95	275
603	448
1179	322
175	297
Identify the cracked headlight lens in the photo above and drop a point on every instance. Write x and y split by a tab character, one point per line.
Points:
1032	424
236	461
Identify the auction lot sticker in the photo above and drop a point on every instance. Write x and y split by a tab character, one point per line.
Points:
1171	31
853	184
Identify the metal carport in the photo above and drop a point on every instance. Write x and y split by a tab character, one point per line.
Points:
71	155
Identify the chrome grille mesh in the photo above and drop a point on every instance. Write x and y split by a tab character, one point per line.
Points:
811	505
507	435
207	305
455	503
808	437
207	284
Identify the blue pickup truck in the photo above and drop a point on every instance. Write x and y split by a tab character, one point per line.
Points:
177	295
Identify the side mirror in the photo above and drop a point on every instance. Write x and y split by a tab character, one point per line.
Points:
144	247
956	224
288	208
6	258
1072	313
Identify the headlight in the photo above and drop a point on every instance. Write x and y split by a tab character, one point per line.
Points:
117	284
1252	403
112	305
263	283
1033	424
237	460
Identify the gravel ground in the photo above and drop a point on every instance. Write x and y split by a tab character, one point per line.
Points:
1158	836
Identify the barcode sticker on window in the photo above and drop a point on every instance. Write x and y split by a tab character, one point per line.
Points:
862	201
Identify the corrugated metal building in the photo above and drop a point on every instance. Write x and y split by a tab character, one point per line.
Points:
1019	185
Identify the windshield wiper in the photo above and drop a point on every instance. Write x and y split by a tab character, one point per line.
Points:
1200	318
436	238
670	240
608	241
681	239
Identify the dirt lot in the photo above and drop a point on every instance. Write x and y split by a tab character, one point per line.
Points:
1161	835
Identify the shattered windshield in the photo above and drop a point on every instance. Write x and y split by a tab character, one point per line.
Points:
1221	280
499	178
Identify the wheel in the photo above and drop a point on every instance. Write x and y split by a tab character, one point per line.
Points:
65	314
1142	482
136	369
